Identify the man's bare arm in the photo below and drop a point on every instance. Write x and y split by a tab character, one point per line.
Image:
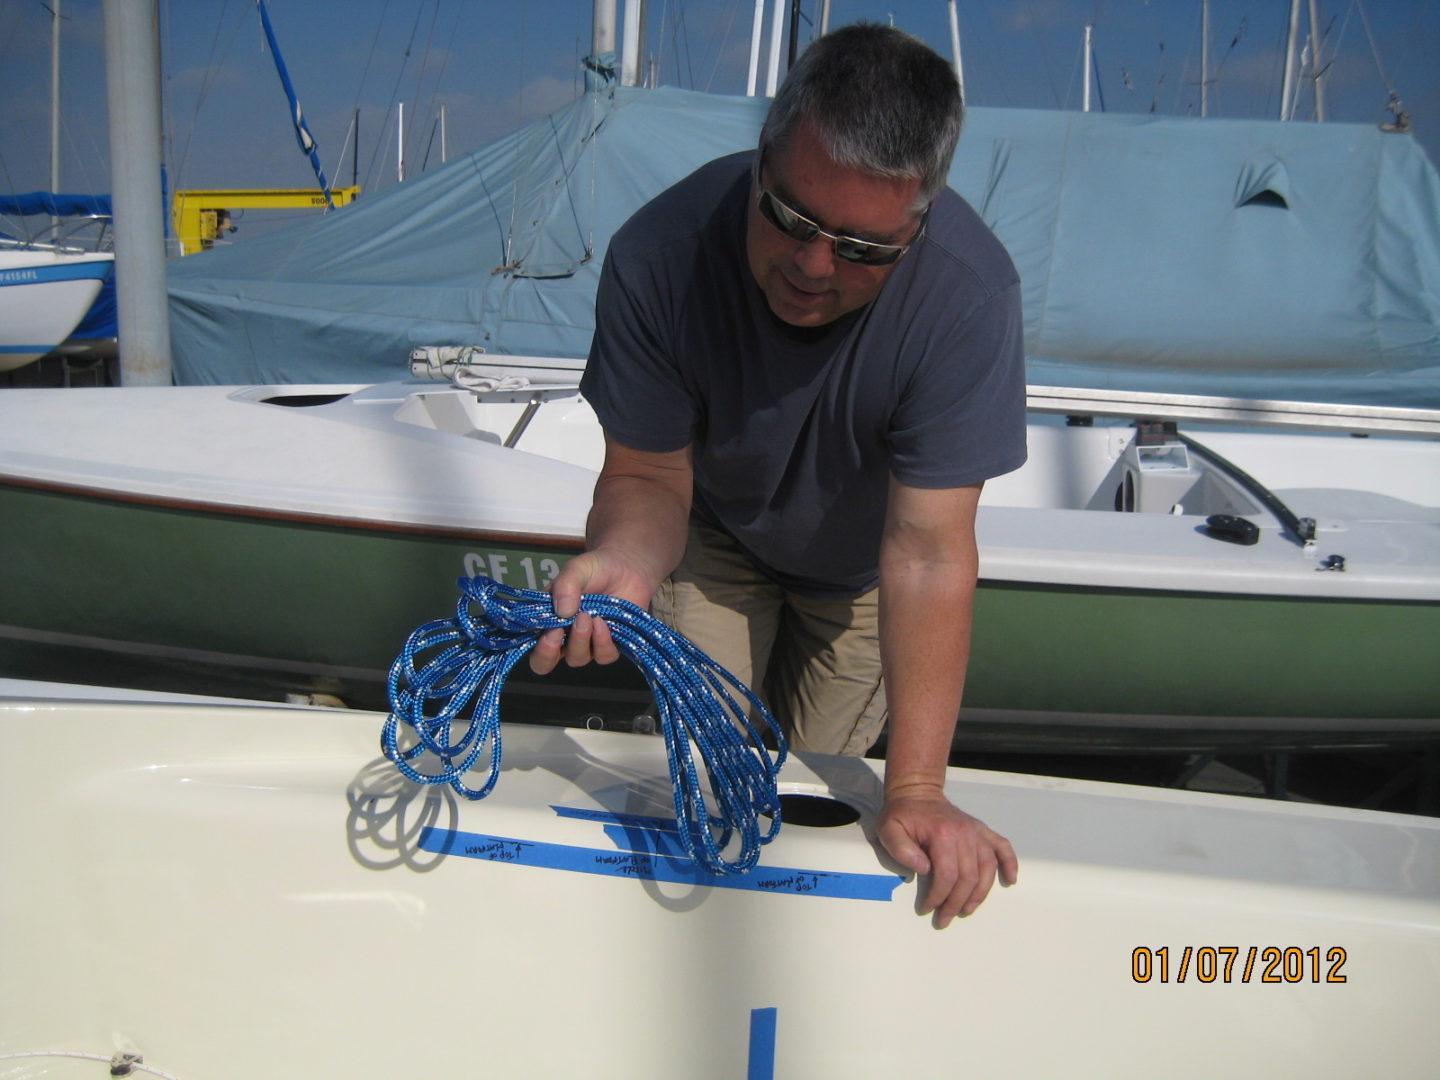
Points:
928	570
634	536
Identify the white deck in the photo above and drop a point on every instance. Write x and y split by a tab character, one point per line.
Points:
237	892
431	455
225	447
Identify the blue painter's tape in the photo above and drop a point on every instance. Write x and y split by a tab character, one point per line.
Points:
762	1045
659	836
641	821
654	862
665	843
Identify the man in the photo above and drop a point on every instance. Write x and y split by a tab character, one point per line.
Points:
807	360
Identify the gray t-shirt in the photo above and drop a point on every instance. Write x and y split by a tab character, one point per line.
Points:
796	432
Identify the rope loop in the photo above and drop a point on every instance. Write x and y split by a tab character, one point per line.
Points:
445	690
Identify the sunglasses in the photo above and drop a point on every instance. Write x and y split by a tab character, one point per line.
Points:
801	229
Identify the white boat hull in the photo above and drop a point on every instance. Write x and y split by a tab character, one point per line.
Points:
235	892
43	296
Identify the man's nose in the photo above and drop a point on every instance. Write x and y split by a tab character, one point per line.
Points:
816	258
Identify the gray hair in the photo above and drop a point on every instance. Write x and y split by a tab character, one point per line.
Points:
880	100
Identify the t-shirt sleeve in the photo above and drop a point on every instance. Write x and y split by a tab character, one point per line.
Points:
632	379
961	412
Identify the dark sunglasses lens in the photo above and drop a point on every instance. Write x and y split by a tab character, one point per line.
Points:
803	230
786	220
857	251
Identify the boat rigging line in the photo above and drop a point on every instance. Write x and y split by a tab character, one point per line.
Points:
394	92
450	665
212	67
1301	529
1394	104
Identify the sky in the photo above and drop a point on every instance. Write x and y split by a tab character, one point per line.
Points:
497	64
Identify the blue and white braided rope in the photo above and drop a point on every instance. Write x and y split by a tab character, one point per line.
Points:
453	667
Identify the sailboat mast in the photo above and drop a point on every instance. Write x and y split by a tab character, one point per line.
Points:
1317	71
757	30
602	32
1287	89
777	28
954	45
633	45
1204	57
55	106
132	85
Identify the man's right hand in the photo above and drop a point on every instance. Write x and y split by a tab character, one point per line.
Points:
588	638
636	532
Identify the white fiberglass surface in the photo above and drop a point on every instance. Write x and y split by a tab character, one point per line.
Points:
1064	468
38	312
433	456
563	427
1075	468
238	892
229	447
1069	468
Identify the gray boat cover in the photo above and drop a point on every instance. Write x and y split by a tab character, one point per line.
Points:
1242	258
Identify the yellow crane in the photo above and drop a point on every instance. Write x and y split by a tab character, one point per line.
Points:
201	217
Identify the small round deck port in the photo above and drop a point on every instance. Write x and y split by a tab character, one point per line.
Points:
816	811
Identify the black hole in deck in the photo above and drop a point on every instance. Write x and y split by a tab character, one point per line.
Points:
816	811
300	401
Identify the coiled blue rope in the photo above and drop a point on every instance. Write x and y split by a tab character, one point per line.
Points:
450	664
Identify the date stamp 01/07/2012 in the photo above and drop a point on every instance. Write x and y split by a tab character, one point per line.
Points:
1238	964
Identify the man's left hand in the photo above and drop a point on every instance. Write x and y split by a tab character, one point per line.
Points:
927	833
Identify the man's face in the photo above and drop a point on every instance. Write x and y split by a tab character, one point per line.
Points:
807	284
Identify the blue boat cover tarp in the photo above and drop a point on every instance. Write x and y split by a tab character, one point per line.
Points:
1232	257
55	204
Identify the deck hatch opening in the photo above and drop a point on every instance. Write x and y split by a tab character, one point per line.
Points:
302	401
816	811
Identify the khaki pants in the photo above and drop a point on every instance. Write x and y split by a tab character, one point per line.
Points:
814	661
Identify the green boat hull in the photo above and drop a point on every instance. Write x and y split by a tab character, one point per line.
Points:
172	598
305	605
1154	653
